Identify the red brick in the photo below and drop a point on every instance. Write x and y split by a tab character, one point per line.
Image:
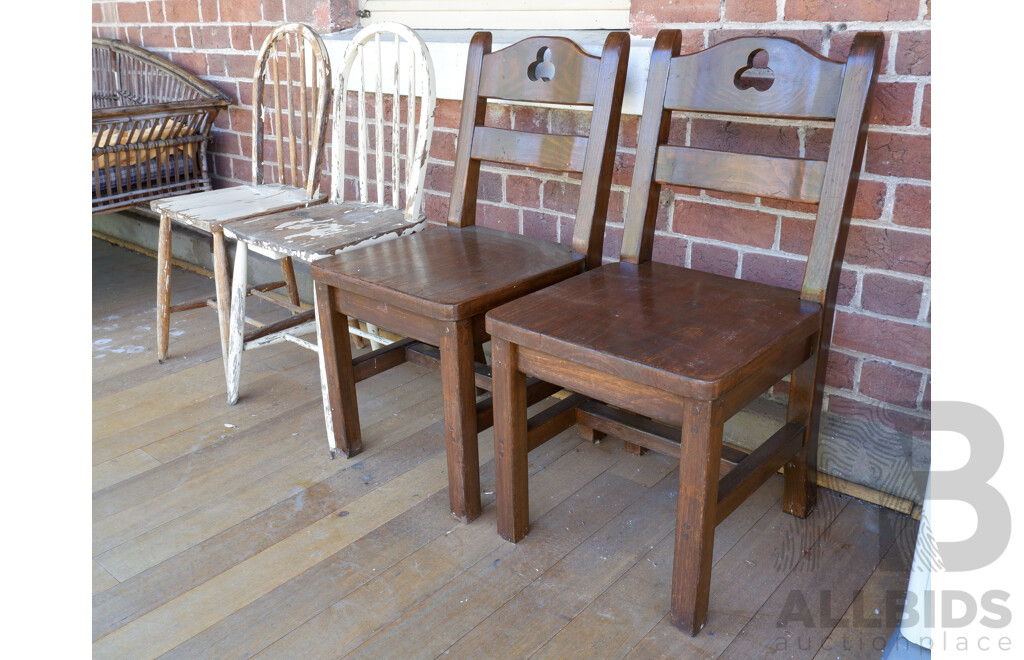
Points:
889	249
795	235
869	201
97	14
522	191
724	223
647	13
447	113
926	107
499	116
842	369
183	37
439	177
241	11
787	205
891	296
879	413
750	138
489	189
181	11
732	197
436	207
913	206
892	340
889	383
215	36
612	239
713	258
241	37
132	12
622	169
157	37
670	250
628	131
531	119
301	10
769	269
896	154
191	62
442	146
914	53
498	217
847	287
893	104
540	225
851	10
750	11
216	64
156	12
616	207
570	122
926	398
561	196
273	10
132	34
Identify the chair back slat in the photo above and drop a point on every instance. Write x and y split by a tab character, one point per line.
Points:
378	98
795	179
803	86
564	153
290	99
543	70
385	69
728	79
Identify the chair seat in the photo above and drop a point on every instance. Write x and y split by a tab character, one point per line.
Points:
448	273
323	230
686	331
210	209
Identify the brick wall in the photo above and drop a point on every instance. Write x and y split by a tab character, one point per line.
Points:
880	364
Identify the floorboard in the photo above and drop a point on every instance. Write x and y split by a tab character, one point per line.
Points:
226	532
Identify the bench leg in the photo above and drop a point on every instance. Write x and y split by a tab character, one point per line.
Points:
458	382
163	287
700	454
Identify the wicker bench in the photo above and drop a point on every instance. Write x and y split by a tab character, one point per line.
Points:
151	123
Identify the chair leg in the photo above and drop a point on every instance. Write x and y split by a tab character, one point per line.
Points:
337	379
288	272
236	340
223	285
700	457
800	485
458	384
510	445
163	287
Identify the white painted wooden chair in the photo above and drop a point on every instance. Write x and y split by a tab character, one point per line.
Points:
392	62
291	91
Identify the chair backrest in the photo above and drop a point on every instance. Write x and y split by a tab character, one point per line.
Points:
734	78
543	70
390	60
291	90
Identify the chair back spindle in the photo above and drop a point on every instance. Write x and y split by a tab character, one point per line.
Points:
377	71
293	64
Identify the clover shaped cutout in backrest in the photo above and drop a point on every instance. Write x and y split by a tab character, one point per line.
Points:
542	69
756	75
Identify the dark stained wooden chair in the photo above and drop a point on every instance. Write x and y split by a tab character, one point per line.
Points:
435	287
682	349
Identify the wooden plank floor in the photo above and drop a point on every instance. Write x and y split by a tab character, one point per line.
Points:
225	532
